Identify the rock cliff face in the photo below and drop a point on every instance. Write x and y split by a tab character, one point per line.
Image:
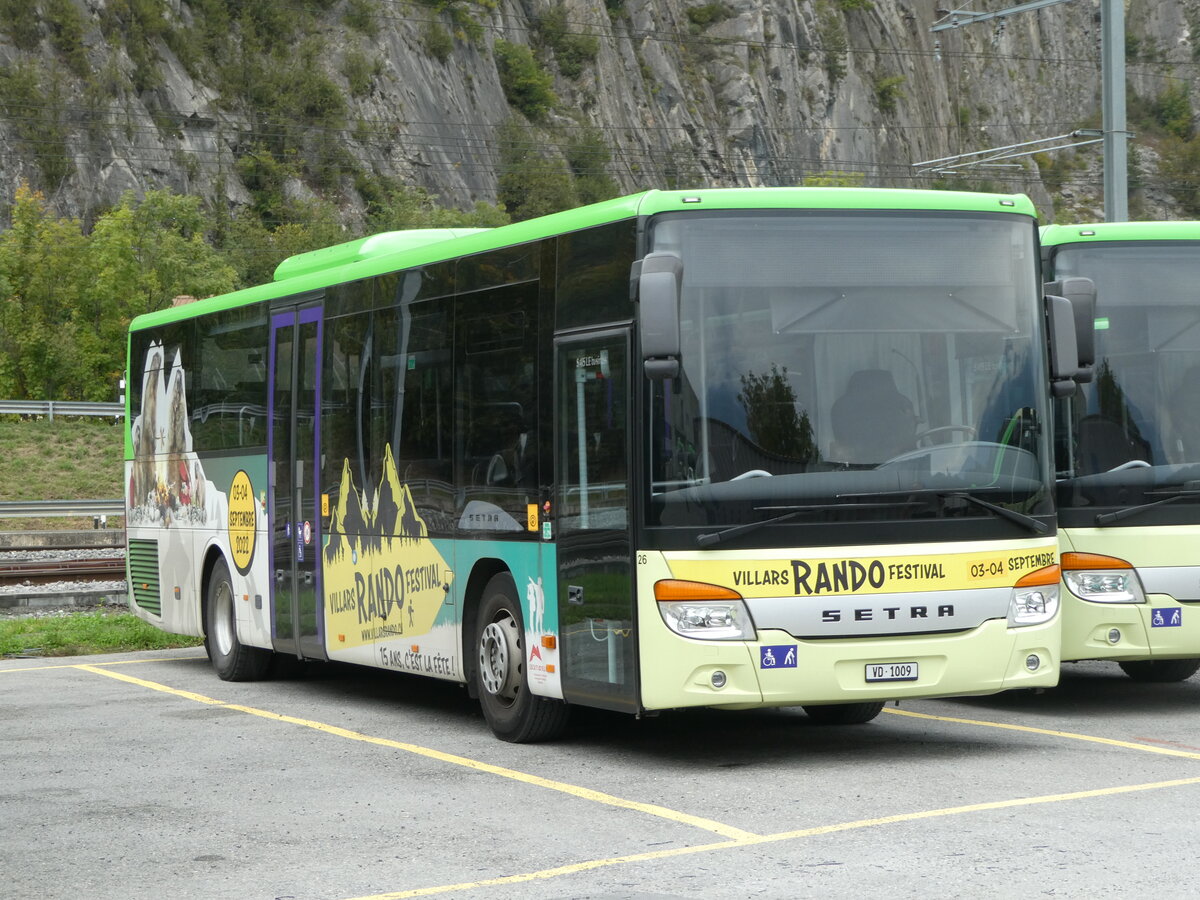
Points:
733	92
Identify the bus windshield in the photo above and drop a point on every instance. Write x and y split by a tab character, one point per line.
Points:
1131	439
851	367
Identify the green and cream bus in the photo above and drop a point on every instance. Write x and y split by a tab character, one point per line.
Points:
722	448
1128	448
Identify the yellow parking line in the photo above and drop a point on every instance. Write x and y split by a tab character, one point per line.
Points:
756	840
559	871
152	685
980	807
1070	735
574	790
737	837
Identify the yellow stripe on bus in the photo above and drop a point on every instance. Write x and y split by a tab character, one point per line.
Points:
818	575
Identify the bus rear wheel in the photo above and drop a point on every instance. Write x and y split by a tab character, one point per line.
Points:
1160	671
512	712
843	713
232	659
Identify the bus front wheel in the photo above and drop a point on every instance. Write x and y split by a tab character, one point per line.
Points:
843	713
513	713
232	659
1160	671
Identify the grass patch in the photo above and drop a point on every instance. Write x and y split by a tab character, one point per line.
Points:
67	459
83	633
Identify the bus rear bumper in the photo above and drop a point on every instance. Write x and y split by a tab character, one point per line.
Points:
780	670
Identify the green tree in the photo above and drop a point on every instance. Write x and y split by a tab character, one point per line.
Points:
19	20
771	416
572	50
1172	109
254	249
832	30
527	86
888	93
32	96
398	207
40	275
588	157
834	178
137	25
140	256
531	183
67	28
1180	166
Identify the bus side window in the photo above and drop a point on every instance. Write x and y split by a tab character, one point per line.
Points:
498	474
345	348
424	412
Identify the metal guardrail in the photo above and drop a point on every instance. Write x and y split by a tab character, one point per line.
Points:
50	408
26	509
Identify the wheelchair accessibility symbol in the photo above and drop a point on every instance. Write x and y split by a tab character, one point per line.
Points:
1166	618
777	656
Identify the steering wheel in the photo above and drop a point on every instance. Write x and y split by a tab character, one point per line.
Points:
753	473
967	432
497	470
1132	464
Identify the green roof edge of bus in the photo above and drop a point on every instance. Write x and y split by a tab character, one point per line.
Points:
366	248
1057	235
379	254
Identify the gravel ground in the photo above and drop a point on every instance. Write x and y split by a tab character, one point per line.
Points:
43	611
62	588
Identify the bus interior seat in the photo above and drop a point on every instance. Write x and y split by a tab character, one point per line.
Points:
1183	443
872	421
499	443
1104	444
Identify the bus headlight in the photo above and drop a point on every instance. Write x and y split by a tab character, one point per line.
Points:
708	611
1034	598
1102	579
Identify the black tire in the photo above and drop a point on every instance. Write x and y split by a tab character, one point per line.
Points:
843	713
1160	671
232	659
512	712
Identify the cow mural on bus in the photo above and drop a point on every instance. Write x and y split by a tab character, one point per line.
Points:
166	481
171	500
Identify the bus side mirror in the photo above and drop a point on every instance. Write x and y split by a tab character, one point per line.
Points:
1081	292
659	279
1064	348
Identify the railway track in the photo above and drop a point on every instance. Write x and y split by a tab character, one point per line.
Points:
50	571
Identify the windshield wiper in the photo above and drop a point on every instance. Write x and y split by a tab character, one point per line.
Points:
719	537
1025	521
1117	515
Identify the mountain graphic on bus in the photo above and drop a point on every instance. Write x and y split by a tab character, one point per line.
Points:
383	574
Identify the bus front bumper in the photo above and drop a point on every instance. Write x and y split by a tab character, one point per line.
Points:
741	674
1160	628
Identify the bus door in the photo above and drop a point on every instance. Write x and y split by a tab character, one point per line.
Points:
297	625
592	520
